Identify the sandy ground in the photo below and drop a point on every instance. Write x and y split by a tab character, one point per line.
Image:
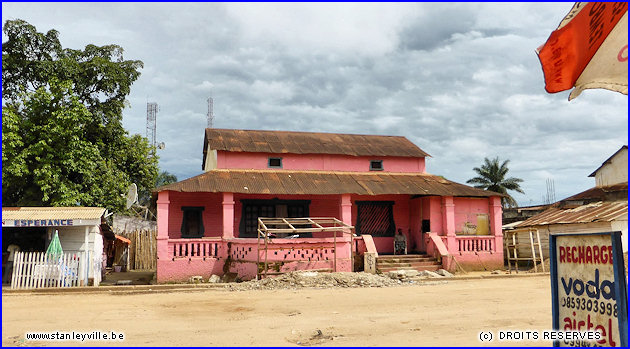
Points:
439	313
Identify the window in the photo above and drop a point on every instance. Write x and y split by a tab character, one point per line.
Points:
483	224
192	222
375	218
275	163
252	209
426	225
376	165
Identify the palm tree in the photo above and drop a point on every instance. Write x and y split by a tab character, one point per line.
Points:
492	177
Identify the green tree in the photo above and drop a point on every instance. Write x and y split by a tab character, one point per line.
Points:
63	140
491	176
163	178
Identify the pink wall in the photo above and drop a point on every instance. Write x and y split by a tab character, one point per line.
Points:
481	260
290	255
467	210
180	270
172	267
415	225
320	162
212	213
496	216
432	210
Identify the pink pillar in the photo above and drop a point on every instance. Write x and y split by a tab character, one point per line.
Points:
496	221
448	222
162	232
414	242
345	209
228	215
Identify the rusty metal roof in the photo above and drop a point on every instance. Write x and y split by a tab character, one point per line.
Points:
33	213
601	211
323	182
280	142
601	193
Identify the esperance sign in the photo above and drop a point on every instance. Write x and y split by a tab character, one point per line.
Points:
588	286
30	223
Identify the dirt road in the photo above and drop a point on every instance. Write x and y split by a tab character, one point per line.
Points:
439	313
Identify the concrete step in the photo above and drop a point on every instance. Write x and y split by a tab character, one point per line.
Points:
386	263
404	257
410	264
404	260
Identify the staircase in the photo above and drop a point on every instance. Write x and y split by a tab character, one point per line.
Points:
419	262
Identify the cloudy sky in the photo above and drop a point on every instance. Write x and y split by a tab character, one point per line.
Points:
462	81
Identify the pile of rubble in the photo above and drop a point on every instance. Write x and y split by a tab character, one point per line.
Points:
313	279
546	264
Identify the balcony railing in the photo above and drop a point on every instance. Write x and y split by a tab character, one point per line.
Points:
476	243
194	248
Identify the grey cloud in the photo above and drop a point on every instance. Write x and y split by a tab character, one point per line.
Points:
436	26
462	82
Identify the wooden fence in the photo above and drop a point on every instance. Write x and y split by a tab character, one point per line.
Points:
39	270
143	249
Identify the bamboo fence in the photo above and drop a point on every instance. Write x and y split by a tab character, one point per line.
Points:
143	249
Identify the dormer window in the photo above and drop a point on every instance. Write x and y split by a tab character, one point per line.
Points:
274	163
376	165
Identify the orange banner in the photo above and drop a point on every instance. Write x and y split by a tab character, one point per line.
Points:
571	47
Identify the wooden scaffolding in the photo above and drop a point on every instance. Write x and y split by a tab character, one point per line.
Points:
513	242
281	227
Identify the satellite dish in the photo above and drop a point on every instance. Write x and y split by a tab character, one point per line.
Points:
161	145
132	195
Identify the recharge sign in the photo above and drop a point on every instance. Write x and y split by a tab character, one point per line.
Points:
589	287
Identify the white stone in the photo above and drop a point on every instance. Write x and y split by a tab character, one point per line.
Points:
402	273
445	273
430	274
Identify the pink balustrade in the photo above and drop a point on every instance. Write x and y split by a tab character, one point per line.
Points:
466	244
207	256
470	252
480	252
194	248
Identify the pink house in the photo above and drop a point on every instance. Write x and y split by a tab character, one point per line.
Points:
208	224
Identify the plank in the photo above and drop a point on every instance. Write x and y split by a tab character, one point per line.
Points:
17	263
31	265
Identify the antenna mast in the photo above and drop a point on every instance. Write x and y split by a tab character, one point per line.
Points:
210	112
551	191
152	109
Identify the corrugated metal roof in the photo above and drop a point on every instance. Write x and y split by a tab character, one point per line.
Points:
599	193
322	182
33	213
279	142
600	211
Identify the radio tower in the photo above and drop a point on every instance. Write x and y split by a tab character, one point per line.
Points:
152	109
210	112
